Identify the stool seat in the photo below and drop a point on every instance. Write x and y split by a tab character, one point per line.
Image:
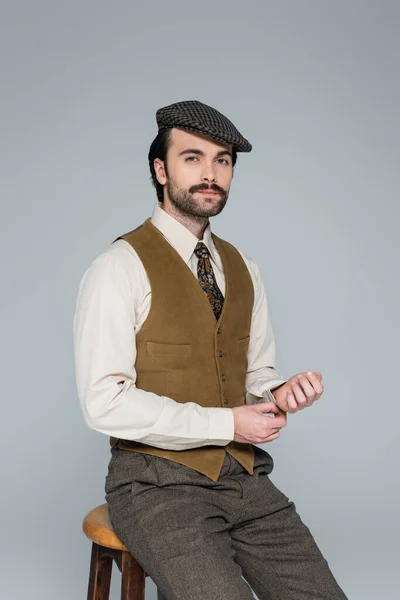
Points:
97	527
106	549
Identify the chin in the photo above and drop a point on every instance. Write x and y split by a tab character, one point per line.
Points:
212	211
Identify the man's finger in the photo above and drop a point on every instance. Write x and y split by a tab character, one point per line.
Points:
316	373
267	407
299	395
277	423
291	401
308	388
315	379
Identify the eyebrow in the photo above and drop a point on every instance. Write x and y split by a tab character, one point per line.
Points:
201	153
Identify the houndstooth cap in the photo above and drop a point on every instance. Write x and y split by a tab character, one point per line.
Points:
195	116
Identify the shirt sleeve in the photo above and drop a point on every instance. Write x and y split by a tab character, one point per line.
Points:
105	355
262	376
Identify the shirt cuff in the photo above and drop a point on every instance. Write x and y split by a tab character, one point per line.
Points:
221	426
268	395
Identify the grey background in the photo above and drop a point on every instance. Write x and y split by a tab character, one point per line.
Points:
315	86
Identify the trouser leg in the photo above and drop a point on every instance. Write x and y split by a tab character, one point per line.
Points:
277	552
176	523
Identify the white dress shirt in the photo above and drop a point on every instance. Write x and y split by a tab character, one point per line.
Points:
112	304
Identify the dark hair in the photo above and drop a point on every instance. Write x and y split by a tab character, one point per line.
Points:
158	149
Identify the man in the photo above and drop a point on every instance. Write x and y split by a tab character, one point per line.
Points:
173	342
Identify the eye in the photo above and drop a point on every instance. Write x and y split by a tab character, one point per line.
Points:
189	158
225	161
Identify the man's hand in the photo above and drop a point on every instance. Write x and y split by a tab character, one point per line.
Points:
299	391
255	428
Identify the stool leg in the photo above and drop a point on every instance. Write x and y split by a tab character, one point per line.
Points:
133	578
100	574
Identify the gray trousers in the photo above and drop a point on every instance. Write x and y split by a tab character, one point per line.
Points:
205	540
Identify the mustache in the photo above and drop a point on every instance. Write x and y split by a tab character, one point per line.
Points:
203	186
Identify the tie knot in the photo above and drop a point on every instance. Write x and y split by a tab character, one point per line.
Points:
201	250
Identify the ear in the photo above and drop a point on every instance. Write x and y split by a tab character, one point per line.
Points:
159	168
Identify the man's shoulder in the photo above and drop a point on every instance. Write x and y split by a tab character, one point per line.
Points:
252	267
118	260
132	234
119	251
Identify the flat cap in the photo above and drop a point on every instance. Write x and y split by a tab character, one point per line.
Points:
195	116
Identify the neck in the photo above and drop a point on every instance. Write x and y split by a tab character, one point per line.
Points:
193	223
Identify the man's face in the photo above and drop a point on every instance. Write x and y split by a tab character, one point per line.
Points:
199	174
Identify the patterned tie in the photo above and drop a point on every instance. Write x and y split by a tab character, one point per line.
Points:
205	275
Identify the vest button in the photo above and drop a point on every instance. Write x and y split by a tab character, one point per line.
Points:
226	400
220	353
219	330
223	377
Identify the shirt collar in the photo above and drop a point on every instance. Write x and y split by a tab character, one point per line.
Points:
183	240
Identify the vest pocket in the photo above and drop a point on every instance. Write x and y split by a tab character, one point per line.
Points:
241	356
161	350
243	343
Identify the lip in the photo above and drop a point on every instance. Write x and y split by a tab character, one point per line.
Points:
208	193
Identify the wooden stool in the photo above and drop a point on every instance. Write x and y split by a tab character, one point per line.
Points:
107	547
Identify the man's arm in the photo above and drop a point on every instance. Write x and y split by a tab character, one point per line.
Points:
291	395
262	376
105	354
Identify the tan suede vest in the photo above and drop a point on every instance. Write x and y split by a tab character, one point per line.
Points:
183	352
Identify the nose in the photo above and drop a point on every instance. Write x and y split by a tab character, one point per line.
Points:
208	173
